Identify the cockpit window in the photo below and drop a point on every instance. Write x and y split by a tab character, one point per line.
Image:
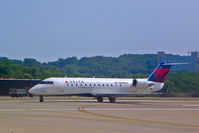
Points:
46	82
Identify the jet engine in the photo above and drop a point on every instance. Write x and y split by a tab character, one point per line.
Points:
142	83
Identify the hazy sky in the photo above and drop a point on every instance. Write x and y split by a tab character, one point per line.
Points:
50	29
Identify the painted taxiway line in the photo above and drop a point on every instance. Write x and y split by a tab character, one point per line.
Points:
192	105
141	109
82	109
106	109
155	101
69	109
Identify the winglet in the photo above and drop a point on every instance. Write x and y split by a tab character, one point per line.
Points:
166	89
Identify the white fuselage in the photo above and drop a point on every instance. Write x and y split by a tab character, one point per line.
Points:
95	86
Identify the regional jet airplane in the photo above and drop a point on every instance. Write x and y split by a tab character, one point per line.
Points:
103	87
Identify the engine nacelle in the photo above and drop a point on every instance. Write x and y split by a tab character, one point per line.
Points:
142	83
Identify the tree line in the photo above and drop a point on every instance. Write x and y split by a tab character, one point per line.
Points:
124	66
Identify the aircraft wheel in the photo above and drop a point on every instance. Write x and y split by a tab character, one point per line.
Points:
112	99
100	99
41	99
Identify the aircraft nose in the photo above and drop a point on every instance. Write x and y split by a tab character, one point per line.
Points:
31	90
34	90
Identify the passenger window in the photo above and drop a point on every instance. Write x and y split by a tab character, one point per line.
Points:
94	84
107	85
71	84
76	84
98	84
102	84
111	84
80	84
90	84
46	82
85	84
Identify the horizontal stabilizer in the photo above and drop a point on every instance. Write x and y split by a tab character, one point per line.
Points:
173	64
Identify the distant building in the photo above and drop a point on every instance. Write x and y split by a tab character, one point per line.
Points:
12	85
192	61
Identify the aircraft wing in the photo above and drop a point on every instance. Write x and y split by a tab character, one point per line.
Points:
125	94
118	94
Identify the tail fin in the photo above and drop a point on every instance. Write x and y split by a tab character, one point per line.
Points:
160	73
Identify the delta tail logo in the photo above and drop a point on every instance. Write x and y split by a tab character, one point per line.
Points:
160	73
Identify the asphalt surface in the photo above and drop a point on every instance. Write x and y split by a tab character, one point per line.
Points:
84	115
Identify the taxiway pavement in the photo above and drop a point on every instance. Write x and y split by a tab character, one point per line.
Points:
84	115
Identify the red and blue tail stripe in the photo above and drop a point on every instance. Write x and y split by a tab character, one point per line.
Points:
160	73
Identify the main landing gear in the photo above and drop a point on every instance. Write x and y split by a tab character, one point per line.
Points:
111	99
41	98
100	99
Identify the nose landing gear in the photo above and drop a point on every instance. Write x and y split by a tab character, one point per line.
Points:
41	99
